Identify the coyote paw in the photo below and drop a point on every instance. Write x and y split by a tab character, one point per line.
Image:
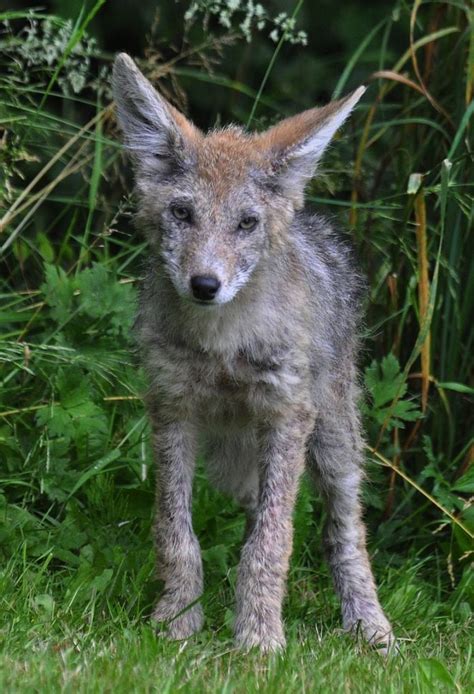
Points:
377	634
177	620
256	634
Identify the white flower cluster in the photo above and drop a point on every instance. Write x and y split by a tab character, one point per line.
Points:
250	16
41	45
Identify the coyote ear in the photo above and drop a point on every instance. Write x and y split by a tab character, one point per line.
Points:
296	144
154	131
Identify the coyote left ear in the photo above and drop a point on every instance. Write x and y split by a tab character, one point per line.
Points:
296	144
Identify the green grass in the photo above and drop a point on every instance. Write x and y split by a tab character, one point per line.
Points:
76	474
47	644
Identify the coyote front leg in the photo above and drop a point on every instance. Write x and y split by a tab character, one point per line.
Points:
265	556
336	460
178	552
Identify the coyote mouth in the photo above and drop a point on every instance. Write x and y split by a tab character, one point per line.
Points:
199	302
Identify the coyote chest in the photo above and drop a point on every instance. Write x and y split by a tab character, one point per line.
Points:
225	390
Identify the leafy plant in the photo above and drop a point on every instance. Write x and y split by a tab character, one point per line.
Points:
387	387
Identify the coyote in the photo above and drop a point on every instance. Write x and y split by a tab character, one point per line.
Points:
247	325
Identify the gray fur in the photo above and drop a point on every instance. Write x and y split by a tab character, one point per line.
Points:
264	378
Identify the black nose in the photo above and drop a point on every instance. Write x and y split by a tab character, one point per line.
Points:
205	287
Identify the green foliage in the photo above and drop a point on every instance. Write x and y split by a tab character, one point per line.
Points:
387	388
101	307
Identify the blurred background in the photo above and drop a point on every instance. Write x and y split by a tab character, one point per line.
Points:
305	75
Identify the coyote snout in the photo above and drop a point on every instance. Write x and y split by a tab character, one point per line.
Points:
205	287
265	383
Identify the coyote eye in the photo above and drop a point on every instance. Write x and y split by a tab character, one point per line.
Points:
248	223
180	212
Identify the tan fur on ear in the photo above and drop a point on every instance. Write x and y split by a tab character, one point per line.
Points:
189	131
296	129
295	145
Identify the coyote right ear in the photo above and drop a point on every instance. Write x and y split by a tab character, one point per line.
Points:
151	126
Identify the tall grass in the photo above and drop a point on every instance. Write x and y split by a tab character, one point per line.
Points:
75	470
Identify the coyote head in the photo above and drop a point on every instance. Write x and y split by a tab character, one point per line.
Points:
215	205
